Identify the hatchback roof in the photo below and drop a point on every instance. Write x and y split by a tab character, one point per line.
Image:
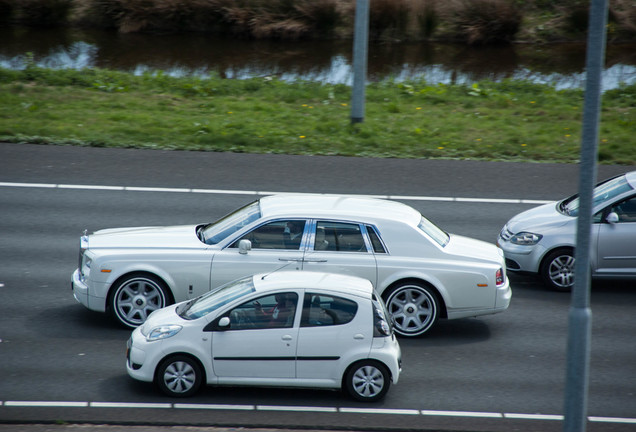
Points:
317	205
313	280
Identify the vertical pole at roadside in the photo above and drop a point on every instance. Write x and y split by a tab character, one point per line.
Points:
580	314
360	48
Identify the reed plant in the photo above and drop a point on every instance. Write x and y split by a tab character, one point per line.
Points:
480	22
40	13
468	21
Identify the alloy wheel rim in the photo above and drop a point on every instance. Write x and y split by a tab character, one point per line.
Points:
562	271
179	377
368	381
412	310
137	299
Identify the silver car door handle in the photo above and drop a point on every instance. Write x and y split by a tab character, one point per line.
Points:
287	338
290	259
358	336
315	260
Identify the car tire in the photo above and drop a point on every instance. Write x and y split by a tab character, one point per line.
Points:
136	296
179	376
367	381
413	307
557	270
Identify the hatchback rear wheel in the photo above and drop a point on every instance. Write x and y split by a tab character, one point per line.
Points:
367	381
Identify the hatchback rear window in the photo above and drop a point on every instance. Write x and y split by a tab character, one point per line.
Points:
323	310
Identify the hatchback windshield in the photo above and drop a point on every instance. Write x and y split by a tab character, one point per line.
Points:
603	192
213	300
217	231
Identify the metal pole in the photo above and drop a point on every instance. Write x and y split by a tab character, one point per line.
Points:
360	47
580	314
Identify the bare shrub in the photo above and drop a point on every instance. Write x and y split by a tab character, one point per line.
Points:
43	13
426	15
324	16
484	21
623	14
388	18
99	13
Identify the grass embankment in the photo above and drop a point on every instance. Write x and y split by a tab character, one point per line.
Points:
514	121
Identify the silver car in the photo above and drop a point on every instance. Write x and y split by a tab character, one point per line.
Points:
542	240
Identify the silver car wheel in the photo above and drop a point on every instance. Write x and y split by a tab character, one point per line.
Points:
562	271
136	298
413	308
368	381
557	270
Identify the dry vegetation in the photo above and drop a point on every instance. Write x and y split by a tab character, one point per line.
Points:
466	21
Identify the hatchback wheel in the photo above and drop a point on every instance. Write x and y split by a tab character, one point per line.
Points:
557	270
367	381
413	308
179	376
136	297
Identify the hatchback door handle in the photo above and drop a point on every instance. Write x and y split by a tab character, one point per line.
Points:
315	260
290	259
287	338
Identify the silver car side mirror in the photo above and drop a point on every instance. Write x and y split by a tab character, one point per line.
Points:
244	246
612	218
224	322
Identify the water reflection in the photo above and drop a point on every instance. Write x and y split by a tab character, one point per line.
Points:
325	61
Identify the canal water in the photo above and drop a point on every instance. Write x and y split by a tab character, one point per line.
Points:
560	65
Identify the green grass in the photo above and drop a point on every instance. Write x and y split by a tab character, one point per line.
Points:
511	120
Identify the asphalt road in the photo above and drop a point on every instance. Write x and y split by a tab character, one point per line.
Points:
60	362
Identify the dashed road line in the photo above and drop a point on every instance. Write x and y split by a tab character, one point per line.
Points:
262	193
306	409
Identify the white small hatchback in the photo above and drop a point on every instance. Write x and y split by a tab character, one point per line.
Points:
283	329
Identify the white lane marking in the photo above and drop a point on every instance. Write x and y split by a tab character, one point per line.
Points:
130	405
533	416
462	414
256	192
295	408
379	411
46	404
612	420
215	407
345	410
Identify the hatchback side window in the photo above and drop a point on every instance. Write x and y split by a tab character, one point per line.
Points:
272	311
285	234
339	236
322	310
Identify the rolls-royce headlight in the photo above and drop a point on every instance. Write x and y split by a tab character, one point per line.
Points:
526	238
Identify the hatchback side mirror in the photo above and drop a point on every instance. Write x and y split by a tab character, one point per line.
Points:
244	246
612	218
220	324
